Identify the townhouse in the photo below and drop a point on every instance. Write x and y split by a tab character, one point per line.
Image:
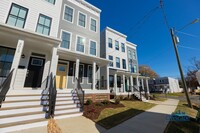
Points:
122	72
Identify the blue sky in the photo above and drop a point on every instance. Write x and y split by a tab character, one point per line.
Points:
154	45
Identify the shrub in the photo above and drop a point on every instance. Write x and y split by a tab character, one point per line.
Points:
121	97
99	104
106	102
89	101
126	98
117	100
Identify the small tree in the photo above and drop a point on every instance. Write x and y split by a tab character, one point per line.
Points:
145	70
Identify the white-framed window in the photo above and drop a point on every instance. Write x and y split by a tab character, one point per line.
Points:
116	45
44	24
129	54
81	72
89	74
93	47
111	60
93	25
134	55
68	13
80	44
51	1
117	62
17	16
82	19
123	47
66	40
110	43
124	63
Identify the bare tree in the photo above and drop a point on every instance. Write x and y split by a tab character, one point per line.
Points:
145	70
191	73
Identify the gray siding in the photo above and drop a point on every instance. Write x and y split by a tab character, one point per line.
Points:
75	29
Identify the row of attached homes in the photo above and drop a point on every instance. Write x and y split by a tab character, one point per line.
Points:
63	37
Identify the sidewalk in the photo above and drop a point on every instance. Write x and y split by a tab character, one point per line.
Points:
151	121
70	125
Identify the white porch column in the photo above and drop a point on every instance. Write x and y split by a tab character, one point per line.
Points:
142	84
108	83
54	62
147	84
137	82
131	78
128	83
16	60
115	83
124	83
93	75
76	72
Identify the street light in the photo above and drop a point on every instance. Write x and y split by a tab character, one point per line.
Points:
175	42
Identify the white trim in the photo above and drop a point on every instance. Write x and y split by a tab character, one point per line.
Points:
77	41
89	47
91	23
124	47
119	62
63	16
70	39
50	2
111	61
74	65
85	19
88	74
118	45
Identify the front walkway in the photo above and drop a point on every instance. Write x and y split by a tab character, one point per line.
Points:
153	120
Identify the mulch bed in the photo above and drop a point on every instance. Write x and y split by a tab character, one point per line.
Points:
93	110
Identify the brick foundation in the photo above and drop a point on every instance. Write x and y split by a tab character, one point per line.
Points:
97	97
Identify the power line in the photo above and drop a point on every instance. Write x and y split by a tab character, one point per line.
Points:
186	47
186	34
139	23
164	14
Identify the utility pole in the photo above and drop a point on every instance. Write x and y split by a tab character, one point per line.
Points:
179	66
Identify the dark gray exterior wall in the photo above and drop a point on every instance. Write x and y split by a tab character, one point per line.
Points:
134	61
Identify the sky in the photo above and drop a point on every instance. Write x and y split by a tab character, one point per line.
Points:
143	22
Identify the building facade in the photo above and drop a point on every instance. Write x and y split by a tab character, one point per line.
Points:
122	72
165	85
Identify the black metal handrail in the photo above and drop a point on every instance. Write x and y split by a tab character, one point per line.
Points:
80	93
52	93
5	87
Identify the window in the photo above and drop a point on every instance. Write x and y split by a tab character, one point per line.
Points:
82	19
109	42
118	81
135	69
111	59
51	1
44	25
129	54
134	55
6	59
65	40
93	25
92	48
37	62
117	62
111	80
68	14
80	44
89	73
17	16
123	47
116	45
124	63
81	72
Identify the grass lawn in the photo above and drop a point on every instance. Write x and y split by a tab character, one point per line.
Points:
184	127
176	94
110	117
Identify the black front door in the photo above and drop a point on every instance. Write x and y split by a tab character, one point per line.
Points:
34	72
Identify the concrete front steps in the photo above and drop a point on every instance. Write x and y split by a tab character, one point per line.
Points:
67	105
21	111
